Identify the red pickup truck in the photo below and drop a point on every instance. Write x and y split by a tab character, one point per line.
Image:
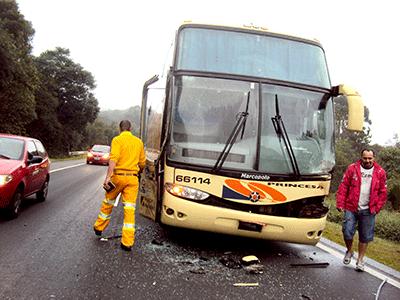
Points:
24	170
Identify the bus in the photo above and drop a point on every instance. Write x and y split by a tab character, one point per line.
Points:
239	134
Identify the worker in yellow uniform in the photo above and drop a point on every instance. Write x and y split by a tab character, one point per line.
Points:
127	159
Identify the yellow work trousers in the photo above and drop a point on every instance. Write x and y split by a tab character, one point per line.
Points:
128	187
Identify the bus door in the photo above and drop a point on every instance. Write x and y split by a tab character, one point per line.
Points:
151	119
148	188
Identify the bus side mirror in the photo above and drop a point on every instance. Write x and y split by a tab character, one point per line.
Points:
355	107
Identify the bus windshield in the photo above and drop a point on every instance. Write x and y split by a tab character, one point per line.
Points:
258	55
206	110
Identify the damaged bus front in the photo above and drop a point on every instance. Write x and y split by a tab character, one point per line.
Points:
239	134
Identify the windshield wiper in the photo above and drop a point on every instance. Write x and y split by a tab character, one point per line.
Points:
247	110
240	125
281	133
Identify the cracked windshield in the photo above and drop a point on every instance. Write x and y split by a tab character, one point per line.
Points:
207	111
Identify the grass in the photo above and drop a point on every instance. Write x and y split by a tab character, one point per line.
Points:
387	223
384	251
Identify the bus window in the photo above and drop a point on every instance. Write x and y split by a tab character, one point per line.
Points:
154	114
206	112
310	139
254	55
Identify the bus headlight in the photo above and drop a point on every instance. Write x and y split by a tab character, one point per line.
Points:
186	192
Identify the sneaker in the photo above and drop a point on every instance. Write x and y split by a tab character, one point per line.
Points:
347	257
360	266
97	232
126	248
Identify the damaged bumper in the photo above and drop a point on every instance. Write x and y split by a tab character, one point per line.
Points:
182	213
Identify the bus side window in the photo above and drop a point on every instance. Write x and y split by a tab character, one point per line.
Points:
154	110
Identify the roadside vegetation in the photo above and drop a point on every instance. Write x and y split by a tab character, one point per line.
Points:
49	97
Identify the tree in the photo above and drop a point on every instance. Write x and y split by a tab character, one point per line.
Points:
100	133
66	103
18	77
389	158
396	140
46	126
358	139
132	114
348	143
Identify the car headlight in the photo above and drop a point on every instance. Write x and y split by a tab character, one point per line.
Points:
107	155
89	154
4	179
186	192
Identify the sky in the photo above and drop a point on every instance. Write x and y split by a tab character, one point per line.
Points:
125	42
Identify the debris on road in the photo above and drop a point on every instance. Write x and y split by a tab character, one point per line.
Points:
186	262
157	242
311	265
255	269
252	264
246	284
199	270
230	262
249	260
203	258
105	239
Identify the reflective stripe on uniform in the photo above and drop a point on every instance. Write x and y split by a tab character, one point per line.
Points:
109	201
104	216
129	226
128	205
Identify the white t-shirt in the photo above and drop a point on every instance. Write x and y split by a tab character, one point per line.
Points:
366	178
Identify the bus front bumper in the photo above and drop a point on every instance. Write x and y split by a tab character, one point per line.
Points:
188	214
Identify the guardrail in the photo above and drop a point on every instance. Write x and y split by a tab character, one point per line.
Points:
75	153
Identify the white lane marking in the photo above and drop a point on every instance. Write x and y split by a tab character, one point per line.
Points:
60	169
117	200
353	264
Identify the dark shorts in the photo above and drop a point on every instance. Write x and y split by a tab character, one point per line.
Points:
363	220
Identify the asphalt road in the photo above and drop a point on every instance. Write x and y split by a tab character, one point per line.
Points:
51	252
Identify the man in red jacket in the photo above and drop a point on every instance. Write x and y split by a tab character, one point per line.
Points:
361	195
